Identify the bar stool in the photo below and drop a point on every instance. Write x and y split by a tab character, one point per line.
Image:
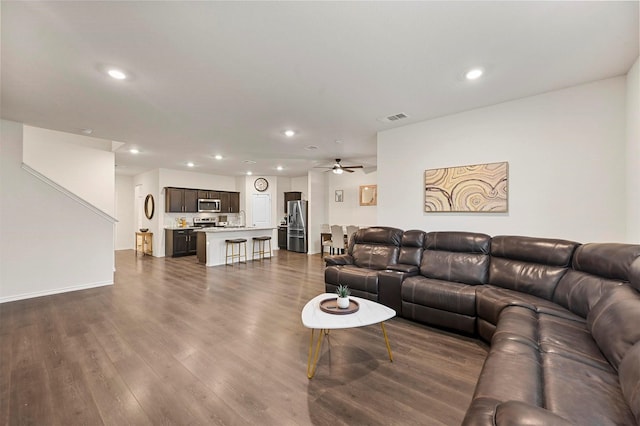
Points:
261	251
232	243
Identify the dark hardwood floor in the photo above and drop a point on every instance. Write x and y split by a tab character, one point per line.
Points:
174	342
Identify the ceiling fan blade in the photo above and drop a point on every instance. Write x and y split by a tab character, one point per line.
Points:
347	170
351	167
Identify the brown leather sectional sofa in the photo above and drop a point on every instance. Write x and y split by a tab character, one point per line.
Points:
562	318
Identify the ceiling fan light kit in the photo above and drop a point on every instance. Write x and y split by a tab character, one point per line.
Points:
338	168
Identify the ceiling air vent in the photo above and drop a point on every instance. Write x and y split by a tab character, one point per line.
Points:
394	117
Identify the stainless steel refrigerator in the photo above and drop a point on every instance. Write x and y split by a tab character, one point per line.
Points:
297	229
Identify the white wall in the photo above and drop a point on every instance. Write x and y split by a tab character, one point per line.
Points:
301	184
83	165
633	154
284	185
350	212
62	248
182	179
125	213
566	152
317	207
148	183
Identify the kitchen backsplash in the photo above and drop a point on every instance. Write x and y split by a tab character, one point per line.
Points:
171	219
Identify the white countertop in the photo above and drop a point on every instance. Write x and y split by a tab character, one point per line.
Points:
235	229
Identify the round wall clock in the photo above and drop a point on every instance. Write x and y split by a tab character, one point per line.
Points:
261	184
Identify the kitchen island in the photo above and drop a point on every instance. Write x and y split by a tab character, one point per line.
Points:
211	242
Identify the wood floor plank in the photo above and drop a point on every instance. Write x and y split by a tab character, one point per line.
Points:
175	342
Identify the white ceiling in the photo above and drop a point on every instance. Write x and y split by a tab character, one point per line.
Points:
230	77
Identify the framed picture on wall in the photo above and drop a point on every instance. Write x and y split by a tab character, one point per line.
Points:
339	195
369	195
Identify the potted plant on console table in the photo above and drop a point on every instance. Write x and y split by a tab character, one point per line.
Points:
343	296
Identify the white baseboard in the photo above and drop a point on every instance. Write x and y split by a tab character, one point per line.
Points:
54	291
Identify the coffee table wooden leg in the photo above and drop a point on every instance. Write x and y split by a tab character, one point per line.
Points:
386	340
311	367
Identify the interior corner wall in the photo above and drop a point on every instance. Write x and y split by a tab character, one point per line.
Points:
633	154
82	165
67	247
349	211
149	183
125	209
566	155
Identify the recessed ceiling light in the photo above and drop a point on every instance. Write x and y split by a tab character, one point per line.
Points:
190	164
289	133
134	150
249	173
279	168
474	74
117	74
218	157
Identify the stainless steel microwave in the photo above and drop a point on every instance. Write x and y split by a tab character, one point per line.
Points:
208	206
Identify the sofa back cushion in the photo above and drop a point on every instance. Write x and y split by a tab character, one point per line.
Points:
529	265
613	322
376	247
412	247
456	256
595	269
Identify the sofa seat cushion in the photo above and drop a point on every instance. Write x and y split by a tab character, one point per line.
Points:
570	339
362	282
490	301
583	394
629	373
550	334
443	295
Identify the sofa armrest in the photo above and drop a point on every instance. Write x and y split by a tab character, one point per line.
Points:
390	286
512	413
340	259
492	412
401	267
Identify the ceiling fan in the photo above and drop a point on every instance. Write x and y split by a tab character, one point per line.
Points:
338	168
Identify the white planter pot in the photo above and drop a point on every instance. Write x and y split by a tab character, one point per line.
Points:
343	302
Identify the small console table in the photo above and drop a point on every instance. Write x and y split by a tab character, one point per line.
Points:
144	243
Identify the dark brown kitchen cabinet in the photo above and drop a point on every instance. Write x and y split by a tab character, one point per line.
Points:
180	242
181	200
234	202
229	202
291	196
208	195
282	237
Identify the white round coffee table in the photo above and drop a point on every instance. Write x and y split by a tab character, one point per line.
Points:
369	313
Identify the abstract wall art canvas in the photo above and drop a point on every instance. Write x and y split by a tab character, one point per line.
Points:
477	188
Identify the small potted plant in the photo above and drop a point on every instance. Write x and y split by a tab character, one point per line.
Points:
343	296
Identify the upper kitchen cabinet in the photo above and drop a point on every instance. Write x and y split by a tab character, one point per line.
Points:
234	202
180	200
208	195
229	202
291	196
